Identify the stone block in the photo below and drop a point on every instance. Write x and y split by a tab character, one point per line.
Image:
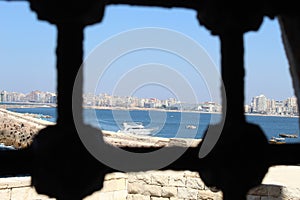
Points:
148	190
14	182
135	188
270	198
187	193
191	174
5	194
153	190
178	181
120	195
94	196
195	183
114	185
290	193
137	197
116	175
253	197
261	190
169	191
140	177
209	195
175	198
159	179
274	190
158	198
26	193
106	195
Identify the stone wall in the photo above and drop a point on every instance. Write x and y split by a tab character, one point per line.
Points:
151	185
18	188
168	185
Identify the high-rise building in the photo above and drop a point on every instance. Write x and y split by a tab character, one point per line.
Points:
260	104
3	96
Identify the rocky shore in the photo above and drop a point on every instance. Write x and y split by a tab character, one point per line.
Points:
17	130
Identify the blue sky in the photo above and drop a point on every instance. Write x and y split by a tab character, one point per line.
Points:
28	46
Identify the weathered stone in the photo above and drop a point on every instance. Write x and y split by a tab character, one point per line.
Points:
194	183
169	191
153	190
120	195
5	194
176	180
136	188
143	177
176	198
114	185
13	182
17	129
106	195
26	193
261	190
187	193
270	198
159	198
191	174
116	175
137	197
209	195
94	196
159	179
290	193
253	197
274	190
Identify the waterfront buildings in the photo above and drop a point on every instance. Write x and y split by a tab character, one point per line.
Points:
259	104
34	97
263	105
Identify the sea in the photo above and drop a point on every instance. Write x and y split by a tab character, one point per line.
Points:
171	124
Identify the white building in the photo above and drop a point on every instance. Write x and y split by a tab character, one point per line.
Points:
260	104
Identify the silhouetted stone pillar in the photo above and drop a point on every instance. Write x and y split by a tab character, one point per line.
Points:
232	67
69	54
70	18
290	29
229	166
232	50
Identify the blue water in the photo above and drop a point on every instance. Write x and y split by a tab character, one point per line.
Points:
172	124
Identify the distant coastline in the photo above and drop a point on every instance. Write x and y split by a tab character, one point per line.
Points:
41	105
187	111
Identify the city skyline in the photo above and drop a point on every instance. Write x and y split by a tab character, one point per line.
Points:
259	104
247	101
30	62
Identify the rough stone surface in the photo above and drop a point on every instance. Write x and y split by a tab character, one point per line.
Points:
14	182
159	179
168	191
17	130
137	197
253	197
159	198
209	195
187	193
195	183
113	185
116	187
5	194
177	180
26	193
